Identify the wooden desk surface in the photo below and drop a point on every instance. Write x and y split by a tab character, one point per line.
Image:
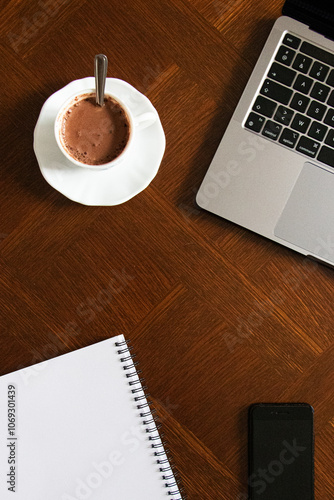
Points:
219	318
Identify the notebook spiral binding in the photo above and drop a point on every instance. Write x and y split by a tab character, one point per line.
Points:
149	419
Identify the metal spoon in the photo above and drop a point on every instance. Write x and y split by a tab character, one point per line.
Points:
100	73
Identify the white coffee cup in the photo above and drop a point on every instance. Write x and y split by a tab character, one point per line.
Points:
136	123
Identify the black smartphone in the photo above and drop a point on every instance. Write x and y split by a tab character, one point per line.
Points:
281	449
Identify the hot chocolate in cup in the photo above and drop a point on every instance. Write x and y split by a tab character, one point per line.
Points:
96	137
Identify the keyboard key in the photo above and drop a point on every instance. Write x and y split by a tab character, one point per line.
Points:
330	101
308	146
329	118
264	106
316	110
302	63
299	102
317	53
271	130
326	155
281	74
330	79
320	91
283	115
291	41
330	138
276	92
254	122
288	138
303	84
319	71
300	123
285	55
317	131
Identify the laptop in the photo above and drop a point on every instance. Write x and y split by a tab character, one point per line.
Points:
273	172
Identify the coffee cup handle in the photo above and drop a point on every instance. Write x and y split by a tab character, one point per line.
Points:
145	120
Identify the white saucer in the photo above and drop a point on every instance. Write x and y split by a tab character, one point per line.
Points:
100	187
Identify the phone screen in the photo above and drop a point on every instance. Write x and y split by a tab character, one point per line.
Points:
281	452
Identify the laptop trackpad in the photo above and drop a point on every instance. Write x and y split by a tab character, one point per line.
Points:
307	219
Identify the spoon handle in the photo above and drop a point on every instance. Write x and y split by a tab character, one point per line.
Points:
100	72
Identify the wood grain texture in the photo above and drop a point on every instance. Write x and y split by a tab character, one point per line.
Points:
219	318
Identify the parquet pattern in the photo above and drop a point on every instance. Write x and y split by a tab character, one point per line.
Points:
219	318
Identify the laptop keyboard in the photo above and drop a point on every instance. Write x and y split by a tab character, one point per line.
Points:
295	104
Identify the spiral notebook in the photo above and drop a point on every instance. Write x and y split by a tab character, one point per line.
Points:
80	427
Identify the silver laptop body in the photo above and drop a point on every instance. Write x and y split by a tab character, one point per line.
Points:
259	181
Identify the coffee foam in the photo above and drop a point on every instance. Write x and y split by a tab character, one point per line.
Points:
92	134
